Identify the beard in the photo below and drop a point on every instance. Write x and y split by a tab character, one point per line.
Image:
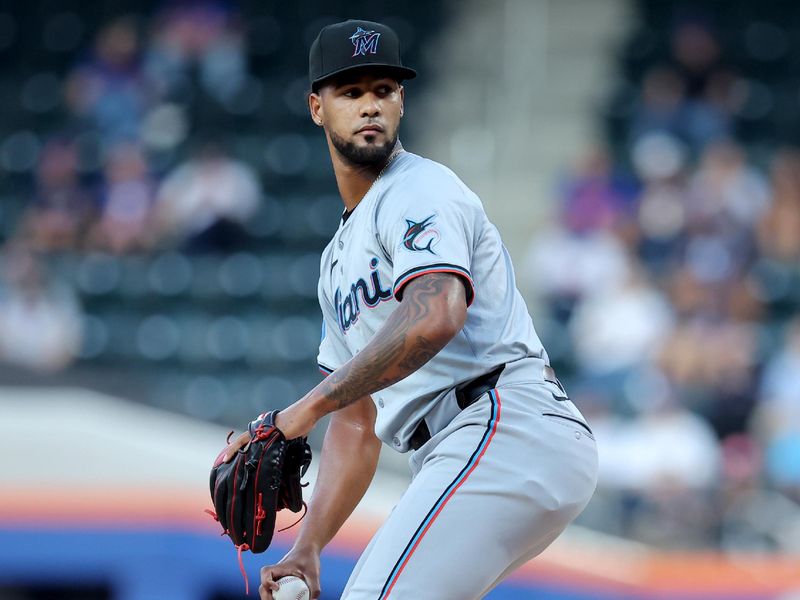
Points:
372	155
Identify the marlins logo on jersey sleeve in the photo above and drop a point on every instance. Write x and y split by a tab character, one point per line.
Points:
429	229
421	236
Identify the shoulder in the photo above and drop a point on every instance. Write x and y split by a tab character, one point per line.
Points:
417	170
415	180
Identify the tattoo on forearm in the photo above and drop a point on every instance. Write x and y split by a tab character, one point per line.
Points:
418	355
398	351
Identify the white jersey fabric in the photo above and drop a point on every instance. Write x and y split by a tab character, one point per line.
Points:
418	218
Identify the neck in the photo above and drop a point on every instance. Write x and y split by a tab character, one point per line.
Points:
354	181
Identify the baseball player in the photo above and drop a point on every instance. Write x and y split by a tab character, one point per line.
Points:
429	348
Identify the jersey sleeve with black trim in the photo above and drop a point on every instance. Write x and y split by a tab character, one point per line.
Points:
428	226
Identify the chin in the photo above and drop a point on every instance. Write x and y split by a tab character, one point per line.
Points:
364	150
376	145
374	141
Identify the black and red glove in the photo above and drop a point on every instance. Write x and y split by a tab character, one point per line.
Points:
263	477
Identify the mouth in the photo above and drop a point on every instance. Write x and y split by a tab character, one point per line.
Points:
370	129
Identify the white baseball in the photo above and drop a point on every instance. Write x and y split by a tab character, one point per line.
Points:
292	588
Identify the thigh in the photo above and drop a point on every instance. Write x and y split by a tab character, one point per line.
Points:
498	485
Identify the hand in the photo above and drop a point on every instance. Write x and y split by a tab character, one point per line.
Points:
237	444
301	562
293	422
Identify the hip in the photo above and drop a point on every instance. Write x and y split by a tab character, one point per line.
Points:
530	423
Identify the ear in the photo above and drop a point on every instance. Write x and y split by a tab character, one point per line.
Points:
402	99
315	108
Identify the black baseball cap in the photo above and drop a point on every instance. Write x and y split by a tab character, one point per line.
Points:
355	44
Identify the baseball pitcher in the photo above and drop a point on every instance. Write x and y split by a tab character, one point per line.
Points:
429	348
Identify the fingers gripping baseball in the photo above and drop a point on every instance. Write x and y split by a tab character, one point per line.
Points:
268	585
302	564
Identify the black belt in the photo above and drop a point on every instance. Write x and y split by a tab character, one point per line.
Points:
466	395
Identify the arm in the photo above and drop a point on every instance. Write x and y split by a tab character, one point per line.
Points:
347	465
348	461
432	312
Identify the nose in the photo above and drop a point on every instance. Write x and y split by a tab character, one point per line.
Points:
370	107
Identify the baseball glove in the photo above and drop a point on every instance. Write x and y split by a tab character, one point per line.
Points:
263	478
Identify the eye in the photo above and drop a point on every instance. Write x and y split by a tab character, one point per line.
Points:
352	93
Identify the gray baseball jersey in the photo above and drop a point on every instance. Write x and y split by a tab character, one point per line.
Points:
419	218
496	481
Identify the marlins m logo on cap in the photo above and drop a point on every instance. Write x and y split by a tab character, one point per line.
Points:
365	41
355	44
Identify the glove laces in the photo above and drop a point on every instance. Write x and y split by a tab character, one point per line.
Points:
305	510
240	548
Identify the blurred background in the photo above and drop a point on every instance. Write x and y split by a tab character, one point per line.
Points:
164	198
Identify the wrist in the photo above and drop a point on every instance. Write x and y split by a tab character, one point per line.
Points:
315	404
307	546
297	420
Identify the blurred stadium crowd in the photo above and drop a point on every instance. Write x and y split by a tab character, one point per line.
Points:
165	199
675	269
163	208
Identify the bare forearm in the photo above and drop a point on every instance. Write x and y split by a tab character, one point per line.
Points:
348	461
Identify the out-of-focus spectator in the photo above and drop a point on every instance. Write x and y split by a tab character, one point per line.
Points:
594	196
696	53
664	463
204	35
40	319
107	90
780	385
127	201
661	104
666	446
62	206
713	367
691	97
665	107
564	267
621	327
707	225
732	300
708	82
710	117
779	228
581	254
660	161
205	202
779	413
726	188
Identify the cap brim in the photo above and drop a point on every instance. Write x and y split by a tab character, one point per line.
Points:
398	73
